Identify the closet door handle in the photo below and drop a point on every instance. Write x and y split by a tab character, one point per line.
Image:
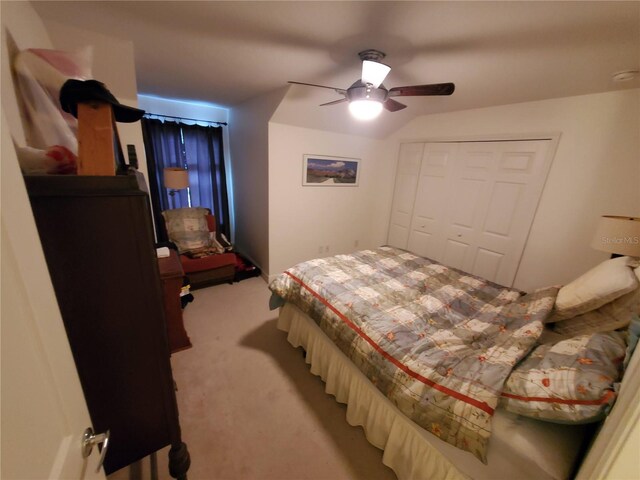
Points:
89	439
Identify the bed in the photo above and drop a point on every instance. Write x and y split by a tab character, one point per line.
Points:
429	360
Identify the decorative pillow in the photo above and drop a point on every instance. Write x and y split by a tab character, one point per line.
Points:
187	228
612	316
602	284
569	382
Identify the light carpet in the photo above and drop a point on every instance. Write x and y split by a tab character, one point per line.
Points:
249	407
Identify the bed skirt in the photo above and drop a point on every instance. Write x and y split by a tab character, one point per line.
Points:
405	450
520	447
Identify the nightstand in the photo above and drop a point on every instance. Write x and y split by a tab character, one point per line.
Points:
171	275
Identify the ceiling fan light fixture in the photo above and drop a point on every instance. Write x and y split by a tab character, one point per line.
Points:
365	109
367	96
374	73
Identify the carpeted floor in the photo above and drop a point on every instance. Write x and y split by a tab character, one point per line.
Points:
249	408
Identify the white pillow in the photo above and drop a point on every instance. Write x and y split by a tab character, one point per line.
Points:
611	316
600	285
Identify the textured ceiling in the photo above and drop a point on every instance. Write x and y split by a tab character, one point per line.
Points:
495	52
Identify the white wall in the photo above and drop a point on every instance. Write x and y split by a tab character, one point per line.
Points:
113	65
183	108
596	171
250	169
313	221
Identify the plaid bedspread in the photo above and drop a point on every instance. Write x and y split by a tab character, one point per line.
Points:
438	342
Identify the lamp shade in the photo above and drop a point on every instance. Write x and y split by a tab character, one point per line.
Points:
374	72
176	178
619	235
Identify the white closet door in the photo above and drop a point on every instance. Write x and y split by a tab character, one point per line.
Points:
427	234
469	205
496	187
404	193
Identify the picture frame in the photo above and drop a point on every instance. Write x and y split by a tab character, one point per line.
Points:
329	171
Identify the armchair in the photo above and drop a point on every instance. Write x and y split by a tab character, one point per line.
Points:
193	230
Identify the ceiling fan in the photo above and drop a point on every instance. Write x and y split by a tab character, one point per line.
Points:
368	96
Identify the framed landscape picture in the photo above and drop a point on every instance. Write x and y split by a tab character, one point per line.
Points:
323	171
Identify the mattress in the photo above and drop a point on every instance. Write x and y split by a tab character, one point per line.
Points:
520	448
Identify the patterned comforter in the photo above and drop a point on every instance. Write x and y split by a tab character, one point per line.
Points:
438	342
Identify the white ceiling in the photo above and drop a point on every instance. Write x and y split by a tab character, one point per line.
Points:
495	52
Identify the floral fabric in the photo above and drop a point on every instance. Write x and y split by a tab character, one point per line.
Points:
187	228
438	342
569	382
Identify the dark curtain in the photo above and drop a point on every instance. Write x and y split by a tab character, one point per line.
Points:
200	149
207	175
163	148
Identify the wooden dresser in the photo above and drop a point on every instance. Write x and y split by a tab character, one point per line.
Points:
98	241
172	275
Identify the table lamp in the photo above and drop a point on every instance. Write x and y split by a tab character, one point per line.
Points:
618	235
175	179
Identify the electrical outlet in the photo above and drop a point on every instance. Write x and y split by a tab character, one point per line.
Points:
326	249
356	243
320	249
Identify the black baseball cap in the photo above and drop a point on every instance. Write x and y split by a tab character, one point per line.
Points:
78	91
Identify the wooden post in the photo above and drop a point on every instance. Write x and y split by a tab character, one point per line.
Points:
96	133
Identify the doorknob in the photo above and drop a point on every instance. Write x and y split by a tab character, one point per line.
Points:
89	439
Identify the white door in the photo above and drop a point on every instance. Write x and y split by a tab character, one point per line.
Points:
409	160
43	410
473	205
426	236
496	187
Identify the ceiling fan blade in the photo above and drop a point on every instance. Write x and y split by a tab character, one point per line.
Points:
393	106
334	102
342	91
421	90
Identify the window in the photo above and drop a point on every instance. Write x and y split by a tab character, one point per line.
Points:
197	148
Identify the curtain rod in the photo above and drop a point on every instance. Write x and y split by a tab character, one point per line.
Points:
184	118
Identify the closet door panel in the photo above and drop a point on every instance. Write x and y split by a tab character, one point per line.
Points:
404	193
505	201
513	182
474	203
470	193
456	254
487	263
432	197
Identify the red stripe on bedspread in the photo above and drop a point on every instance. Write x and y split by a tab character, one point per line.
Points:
471	401
606	398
